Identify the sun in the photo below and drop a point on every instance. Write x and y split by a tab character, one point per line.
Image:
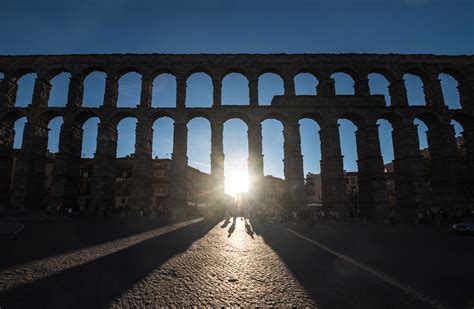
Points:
236	181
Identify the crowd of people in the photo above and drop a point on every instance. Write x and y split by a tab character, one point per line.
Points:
243	208
315	215
441	215
64	212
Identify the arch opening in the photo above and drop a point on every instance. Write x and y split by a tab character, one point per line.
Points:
269	85
378	84
89	137
415	92
59	90
164	91
422	129
199	90
54	127
162	144
19	127
94	89
311	152
26	86
129	90
235	90
126	137
385	140
344	83
306	84
449	87
458	135
236	155
458	128
347	132
199	144
272	146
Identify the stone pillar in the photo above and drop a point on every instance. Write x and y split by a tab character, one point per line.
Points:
146	91
41	92
468	163
332	170
361	87
76	91
293	164
411	187
141	191
7	134
466	94
29	178
217	159
373	195
446	173
180	91
433	92
326	86
67	167
398	93
255	161
253	90
289	85
104	171
111	91
179	164
217	90
8	90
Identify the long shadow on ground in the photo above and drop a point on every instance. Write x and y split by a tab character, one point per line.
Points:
42	239
97	283
331	281
429	258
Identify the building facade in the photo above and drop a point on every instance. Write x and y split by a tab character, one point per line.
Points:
198	185
273	191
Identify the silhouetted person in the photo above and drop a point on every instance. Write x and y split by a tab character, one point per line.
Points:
61	211
226	222
232	227
248	229
421	217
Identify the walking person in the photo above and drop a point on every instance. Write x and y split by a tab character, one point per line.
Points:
61	211
420	217
69	212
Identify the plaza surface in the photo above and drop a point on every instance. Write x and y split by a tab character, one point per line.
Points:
122	262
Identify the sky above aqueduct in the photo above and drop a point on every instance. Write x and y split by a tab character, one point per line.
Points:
339	26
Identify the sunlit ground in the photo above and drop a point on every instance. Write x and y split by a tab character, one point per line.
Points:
236	181
28	272
231	265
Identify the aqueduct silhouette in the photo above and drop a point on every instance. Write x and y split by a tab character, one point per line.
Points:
448	171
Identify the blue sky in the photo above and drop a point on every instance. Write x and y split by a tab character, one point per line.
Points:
340	26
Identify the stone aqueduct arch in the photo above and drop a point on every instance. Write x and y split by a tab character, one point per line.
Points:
326	108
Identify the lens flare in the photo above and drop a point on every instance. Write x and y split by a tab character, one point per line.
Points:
236	181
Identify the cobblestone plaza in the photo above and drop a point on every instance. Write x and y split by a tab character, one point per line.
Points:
131	263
